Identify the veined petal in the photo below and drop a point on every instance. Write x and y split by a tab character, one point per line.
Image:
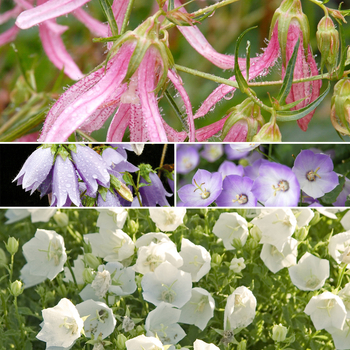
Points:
96	27
8	35
57	53
178	85
208	131
119	123
76	114
48	10
138	132
259	67
146	86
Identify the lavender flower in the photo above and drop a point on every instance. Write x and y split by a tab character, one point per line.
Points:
91	168
212	152
205	188
187	158
236	192
112	200
229	168
276	186
232	154
36	169
65	189
155	193
252	171
117	160
340	202
315	173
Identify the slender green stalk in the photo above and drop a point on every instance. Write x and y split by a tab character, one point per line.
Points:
72	273
20	323
85	136
341	275
127	17
137	188
319	3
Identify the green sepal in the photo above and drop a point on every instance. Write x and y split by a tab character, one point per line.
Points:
107	9
103	192
62	151
128	179
145	169
288	79
300	113
89	201
242	83
115	182
73	147
142	184
291	105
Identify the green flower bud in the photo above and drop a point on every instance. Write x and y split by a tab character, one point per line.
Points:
290	10
121	339
242	345
16	288
133	226
315	219
256	233
88	275
237	243
216	259
251	244
3	257
61	219
62	291
327	43
140	329
12	245
340	111
92	261
279	333
270	132
302	233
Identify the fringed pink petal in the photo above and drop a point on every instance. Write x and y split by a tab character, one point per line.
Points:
138	130
190	120
119	123
48	10
173	135
78	112
119	9
8	35
100	116
208	131
96	27
304	68
13	13
148	100
259	67
57	53
198	41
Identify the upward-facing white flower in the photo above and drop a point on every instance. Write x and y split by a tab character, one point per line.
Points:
151	237
167	219
231	226
111	245
167	284
62	325
45	254
240	309
310	273
196	259
276	227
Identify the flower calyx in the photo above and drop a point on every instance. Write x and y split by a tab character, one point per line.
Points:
340	106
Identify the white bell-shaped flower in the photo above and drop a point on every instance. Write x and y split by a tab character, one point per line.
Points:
310	273
344	295
276	227
62	325
201	345
303	216
231	226
240	309
199	309
345	221
341	338
276	260
167	219
327	311
151	237
196	259
338	244
100	320
111	245
162	322
167	284
112	219
144	343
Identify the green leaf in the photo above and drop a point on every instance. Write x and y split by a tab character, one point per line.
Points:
288	79
332	196
128	179
107	9
103	192
115	183
300	113
145	169
242	83
293	104
247	65
347	202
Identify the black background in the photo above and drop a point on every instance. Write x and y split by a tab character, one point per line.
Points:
13	156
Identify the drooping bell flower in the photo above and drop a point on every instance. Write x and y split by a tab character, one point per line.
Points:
138	67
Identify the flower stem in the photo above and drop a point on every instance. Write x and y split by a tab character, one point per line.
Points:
319	3
341	275
72	273
162	158
127	17
85	136
20	323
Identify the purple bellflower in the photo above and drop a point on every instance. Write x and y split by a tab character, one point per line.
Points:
276	186
252	171
315	173
236	192
65	189
91	167
343	196
117	161
35	169
212	152
155	193
230	168
204	190
187	159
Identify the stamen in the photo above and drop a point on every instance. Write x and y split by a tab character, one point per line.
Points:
282	185
311	175
241	198
205	194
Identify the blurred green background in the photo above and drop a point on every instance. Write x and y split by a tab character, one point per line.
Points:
221	30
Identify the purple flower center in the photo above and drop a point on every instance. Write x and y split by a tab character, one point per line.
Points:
204	193
241	198
282	185
311	175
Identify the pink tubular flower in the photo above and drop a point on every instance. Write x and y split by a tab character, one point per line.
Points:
128	83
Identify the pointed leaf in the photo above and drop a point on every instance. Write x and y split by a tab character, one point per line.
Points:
300	113
288	79
247	51
107	9
293	104
332	196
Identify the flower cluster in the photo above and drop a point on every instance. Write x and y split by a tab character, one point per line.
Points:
83	176
257	179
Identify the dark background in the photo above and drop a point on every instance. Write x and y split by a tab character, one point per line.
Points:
13	156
